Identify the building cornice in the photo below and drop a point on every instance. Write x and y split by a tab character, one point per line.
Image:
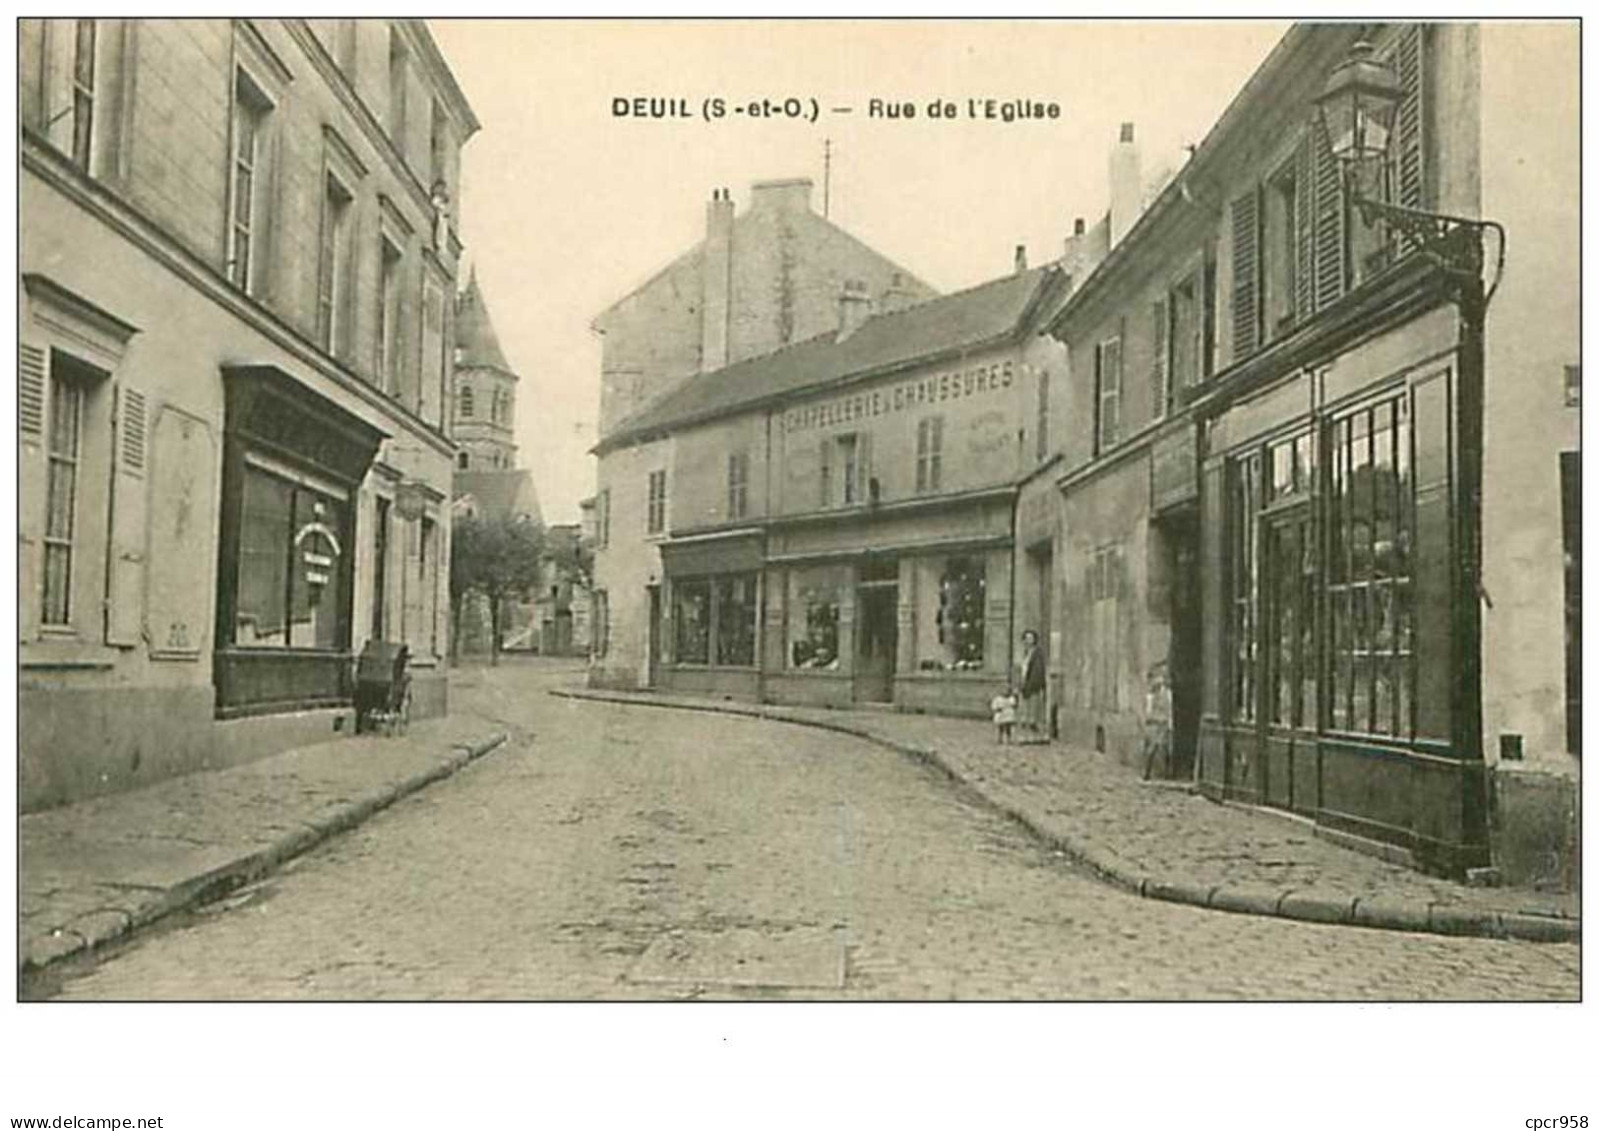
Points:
41	159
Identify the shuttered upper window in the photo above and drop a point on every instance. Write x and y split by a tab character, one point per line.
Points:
1107	394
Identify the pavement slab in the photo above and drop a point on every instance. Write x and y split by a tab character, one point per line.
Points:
93	871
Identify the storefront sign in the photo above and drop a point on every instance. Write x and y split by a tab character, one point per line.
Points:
978	381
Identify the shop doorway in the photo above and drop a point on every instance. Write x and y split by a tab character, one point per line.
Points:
653	645
1291	658
877	641
1180	539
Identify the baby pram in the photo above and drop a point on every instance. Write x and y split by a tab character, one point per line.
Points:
383	688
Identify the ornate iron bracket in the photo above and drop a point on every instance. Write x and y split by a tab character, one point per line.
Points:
1451	243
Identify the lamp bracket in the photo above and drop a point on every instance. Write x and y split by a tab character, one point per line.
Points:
1451	243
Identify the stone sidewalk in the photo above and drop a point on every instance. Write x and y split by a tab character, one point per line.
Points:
97	870
1162	841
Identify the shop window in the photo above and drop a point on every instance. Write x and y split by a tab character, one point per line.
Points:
655	513
814	598
1370	599
691	619
733	610
1243	605
290	587
955	608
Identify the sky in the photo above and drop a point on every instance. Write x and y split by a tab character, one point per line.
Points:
566	207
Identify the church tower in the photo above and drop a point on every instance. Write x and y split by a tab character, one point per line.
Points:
485	389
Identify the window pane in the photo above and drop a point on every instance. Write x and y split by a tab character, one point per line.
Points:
692	617
813	619
265	528
735	620
954	605
318	589
66	399
57	583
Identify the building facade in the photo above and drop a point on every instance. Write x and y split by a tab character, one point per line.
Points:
775	275
835	518
1280	538
236	251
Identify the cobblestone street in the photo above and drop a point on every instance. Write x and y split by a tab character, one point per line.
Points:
610	851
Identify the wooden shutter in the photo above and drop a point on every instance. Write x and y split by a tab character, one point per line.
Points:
863	467
1329	206
1159	383
824	472
1099	377
32	380
1409	122
1304	230
124	619
1246	273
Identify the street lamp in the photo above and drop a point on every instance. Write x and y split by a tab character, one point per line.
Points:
1357	108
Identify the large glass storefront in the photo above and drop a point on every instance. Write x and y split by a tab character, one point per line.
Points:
293	463
714	620
1320	609
291	581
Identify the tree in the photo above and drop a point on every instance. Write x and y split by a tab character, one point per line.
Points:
498	558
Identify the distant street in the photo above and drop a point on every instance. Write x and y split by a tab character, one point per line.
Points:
624	852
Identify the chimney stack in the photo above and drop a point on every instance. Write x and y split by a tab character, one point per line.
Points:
854	307
1126	185
1021	258
896	296
716	282
790	195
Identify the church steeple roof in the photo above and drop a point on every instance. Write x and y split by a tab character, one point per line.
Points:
478	347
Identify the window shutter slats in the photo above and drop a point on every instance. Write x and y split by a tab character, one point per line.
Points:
31	382
1410	118
124	614
132	428
1329	224
1158	381
1304	230
1246	273
30	390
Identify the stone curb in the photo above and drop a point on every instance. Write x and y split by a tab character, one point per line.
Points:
1426	917
96	928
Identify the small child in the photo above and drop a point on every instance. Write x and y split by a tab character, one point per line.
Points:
1004	707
